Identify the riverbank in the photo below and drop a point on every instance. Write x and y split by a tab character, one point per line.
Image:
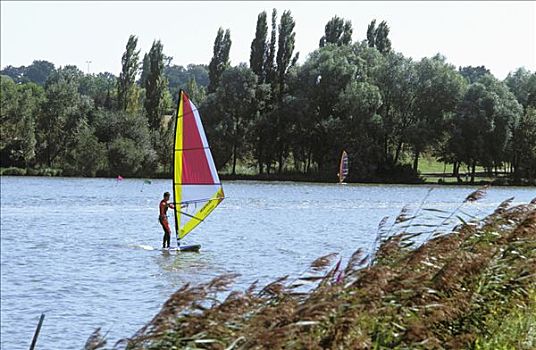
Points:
426	179
471	288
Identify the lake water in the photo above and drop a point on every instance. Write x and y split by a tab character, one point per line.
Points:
81	250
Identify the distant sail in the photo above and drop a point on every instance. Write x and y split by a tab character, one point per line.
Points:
343	167
197	189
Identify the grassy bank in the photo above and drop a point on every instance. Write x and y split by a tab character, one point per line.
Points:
247	174
471	288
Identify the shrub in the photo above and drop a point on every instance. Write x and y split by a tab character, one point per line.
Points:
12	171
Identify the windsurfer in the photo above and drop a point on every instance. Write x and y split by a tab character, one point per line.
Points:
164	205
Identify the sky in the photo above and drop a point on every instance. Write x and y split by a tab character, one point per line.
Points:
499	35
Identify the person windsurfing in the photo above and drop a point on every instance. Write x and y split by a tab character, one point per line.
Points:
164	205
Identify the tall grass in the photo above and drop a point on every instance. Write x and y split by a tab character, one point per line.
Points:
471	288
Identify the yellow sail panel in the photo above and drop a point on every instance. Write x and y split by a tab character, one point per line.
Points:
202	213
177	162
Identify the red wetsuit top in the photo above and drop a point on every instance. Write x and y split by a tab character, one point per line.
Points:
164	205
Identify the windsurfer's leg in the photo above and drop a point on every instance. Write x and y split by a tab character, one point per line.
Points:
166	240
168	233
165	227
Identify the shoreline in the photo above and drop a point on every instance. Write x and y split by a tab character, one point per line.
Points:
496	182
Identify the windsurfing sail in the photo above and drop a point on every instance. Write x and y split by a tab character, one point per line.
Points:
197	189
343	167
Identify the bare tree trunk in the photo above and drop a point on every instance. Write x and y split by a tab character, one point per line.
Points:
456	171
416	160
234	159
398	149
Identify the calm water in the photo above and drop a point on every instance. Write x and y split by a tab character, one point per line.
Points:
80	249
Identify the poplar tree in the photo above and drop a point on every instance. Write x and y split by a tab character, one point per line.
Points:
144	69
382	41
371	33
269	64
220	60
127	77
259	49
155	86
337	31
285	48
378	37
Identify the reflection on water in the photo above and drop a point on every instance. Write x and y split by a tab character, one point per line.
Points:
87	251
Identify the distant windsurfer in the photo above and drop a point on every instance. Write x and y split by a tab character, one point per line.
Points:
164	205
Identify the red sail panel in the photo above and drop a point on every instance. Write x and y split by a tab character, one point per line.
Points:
195	168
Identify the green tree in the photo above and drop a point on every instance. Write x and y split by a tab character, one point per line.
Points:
39	71
260	131
284	60
220	60
145	68
473	74
285	49
395	76
269	64
15	73
31	97
127	77
381	40
179	78
119	128
196	93
317	86
371	34
199	72
358	129
20	103
8	107
259	48
125	157
522	83
483	124
438	90
155	87
100	88
63	111
236	100
524	146
337	31
88	155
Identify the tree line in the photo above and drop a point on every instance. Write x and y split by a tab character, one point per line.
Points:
274	115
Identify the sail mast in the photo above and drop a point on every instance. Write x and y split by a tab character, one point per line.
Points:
177	164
